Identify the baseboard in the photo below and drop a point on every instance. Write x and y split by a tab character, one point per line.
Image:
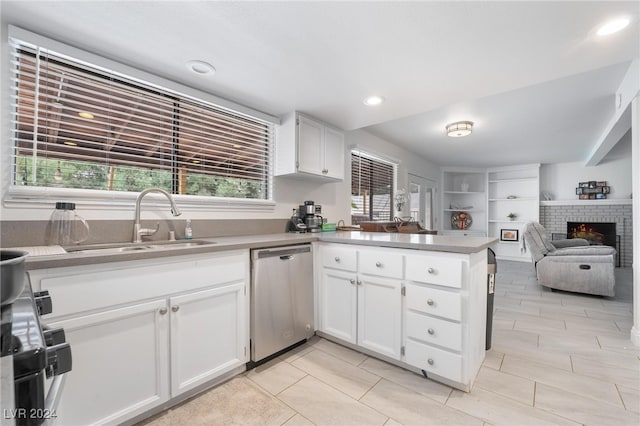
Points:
635	336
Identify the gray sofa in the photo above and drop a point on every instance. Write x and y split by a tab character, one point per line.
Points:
572	264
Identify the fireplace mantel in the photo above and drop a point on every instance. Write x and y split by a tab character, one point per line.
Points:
607	202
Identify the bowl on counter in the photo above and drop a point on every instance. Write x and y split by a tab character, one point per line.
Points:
12	277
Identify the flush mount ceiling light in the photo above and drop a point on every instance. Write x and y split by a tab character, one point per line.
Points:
201	67
70	143
613	26
459	129
373	100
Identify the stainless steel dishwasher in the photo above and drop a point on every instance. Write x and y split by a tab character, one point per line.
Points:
281	299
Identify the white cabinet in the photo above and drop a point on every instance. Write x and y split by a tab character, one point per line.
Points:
147	331
208	335
437	327
515	191
360	298
463	191
120	361
308	147
445	315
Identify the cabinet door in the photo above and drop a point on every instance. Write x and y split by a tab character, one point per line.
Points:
380	315
120	364
310	146
333	153
338	304
208	335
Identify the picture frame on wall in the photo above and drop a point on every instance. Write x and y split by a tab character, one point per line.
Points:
584	196
579	191
509	235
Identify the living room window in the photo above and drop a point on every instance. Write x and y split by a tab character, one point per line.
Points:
78	125
372	186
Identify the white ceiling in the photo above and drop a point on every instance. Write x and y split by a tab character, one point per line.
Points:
533	76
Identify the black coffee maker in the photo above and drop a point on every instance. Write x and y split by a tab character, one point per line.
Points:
309	213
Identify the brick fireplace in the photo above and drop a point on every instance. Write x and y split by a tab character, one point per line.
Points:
559	217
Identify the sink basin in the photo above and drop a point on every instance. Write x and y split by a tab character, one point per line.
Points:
136	247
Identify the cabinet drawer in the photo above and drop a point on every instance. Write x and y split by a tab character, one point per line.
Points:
381	263
435	270
434	360
434	330
446	304
339	257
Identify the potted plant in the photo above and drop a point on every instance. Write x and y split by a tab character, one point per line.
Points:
512	216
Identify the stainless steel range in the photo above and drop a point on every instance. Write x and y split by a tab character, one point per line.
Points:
29	352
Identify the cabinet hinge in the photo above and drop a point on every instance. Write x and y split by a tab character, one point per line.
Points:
402	350
245	351
403	291
297	121
297	165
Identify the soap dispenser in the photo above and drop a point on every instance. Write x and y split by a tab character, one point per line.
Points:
188	232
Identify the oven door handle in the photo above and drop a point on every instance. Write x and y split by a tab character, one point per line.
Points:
53	398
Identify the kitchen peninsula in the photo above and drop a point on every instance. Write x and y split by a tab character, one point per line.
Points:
417	301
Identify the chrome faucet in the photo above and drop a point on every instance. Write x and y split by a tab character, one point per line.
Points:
139	232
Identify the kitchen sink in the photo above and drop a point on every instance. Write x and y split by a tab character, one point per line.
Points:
136	247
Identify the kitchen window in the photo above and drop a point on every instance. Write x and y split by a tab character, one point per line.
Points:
372	185
80	126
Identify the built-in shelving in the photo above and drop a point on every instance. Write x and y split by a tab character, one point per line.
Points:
514	189
463	187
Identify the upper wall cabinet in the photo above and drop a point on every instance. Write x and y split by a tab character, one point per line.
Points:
308	147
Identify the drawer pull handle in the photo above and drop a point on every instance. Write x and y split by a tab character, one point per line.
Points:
337	259
430	361
163	311
359	282
431	270
175	308
352	281
430	302
379	264
430	331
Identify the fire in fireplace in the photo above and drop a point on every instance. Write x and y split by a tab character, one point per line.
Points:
602	233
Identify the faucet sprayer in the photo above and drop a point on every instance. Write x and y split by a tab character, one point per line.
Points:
139	232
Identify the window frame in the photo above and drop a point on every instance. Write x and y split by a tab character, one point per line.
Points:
17	196
365	153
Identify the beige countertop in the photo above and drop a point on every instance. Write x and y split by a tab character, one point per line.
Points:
441	243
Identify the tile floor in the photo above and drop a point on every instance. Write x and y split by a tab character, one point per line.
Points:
557	358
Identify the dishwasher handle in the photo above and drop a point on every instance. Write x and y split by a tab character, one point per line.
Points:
284	253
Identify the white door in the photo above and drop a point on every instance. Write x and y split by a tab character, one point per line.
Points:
421	201
333	153
120	364
310	146
380	315
208	335
338	304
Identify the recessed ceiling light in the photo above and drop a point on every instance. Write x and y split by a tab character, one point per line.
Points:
201	67
85	114
613	26
373	100
70	143
195	161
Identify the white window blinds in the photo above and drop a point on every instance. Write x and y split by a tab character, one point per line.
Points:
80	126
372	183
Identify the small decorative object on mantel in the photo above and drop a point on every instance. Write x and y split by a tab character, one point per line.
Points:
461	220
511	197
592	190
512	216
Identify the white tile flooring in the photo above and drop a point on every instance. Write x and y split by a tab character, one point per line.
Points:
557	358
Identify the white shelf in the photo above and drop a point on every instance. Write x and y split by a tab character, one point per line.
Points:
608	201
464	192
507	221
514	199
523	179
463	210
